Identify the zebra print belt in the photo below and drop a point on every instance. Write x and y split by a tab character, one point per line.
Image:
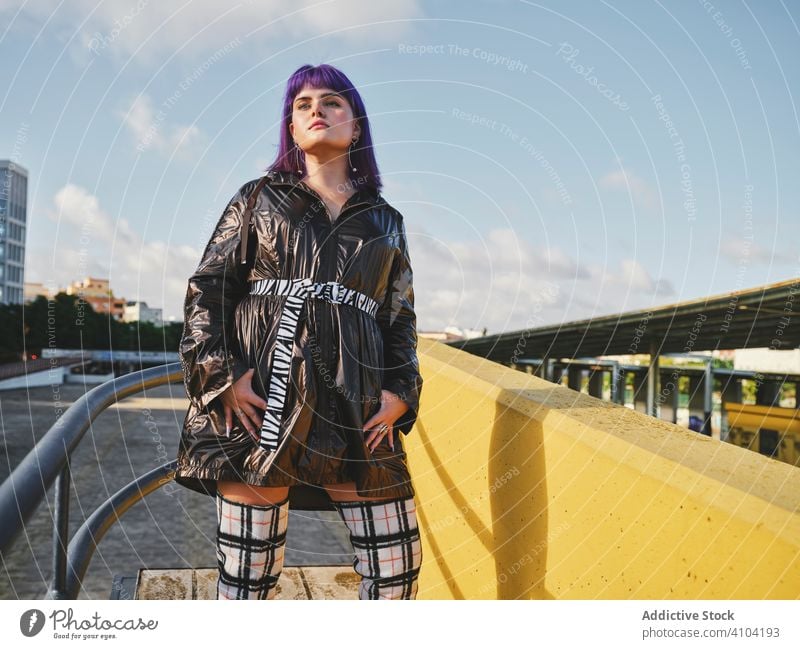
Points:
295	291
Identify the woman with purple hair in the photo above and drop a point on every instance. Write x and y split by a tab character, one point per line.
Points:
299	353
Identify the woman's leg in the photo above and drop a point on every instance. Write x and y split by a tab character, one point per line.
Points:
386	541
250	494
251	535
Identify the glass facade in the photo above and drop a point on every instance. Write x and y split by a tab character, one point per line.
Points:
13	222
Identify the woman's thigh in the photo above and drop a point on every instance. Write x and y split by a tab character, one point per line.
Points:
346	491
251	494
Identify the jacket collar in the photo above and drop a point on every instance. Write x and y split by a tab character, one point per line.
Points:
363	194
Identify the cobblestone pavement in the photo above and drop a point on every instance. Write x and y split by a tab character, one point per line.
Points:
171	528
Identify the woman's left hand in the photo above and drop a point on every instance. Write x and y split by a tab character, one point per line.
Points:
392	407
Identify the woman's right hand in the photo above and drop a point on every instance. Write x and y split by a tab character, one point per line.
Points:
240	399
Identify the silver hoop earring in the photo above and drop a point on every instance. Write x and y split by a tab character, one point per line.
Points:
349	161
297	157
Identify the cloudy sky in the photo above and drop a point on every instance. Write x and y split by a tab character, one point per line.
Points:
552	160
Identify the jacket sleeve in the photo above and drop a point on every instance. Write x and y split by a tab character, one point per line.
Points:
398	322
209	363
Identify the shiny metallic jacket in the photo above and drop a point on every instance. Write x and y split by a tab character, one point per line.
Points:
324	312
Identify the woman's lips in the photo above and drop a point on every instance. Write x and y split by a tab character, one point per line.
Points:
319	126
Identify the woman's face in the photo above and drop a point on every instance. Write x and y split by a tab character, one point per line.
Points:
312	105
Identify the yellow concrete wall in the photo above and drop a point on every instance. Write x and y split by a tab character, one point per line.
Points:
526	489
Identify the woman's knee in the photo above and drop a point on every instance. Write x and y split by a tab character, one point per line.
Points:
252	494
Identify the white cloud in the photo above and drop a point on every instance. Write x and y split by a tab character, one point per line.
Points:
154	31
746	252
627	181
152	130
93	242
505	283
634	275
500	282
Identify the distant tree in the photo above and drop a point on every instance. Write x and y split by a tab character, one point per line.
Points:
68	321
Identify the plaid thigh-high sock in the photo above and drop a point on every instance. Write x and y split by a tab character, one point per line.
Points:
250	548
386	542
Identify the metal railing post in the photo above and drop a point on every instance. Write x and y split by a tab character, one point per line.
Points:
48	463
61	534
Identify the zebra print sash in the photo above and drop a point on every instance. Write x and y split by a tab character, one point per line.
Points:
295	291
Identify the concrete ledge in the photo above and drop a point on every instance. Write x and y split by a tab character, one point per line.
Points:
526	489
300	582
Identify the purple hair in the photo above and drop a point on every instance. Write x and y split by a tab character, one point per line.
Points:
291	158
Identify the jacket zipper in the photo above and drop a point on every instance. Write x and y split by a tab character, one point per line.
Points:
326	405
330	275
324	401
345	207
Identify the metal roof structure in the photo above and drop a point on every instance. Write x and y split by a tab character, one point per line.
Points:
764	316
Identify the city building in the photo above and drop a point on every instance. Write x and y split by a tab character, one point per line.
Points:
763	359
13	223
140	312
452	332
98	295
32	290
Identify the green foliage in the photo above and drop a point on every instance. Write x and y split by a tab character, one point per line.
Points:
67	321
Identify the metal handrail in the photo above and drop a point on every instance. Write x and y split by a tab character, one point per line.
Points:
48	462
94	528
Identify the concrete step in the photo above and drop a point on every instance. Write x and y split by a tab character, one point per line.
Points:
296	582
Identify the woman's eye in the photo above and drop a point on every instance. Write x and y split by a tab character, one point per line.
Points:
330	103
